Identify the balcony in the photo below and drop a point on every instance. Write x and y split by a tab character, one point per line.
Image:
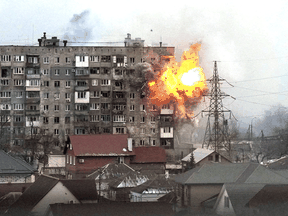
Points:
167	112
32	88
33	76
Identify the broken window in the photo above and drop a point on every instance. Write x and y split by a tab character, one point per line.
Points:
33	94
95	70
82	118
56	83
81	83
105	70
119	95
94	82
105	118
131	119
119	72
5	73
105	58
68	60
105	106
119	84
106	130
105	93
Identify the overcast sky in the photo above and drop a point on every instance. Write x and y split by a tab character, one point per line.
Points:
249	38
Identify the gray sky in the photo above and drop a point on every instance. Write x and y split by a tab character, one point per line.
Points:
248	37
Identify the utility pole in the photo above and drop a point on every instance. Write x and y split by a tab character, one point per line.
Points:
216	134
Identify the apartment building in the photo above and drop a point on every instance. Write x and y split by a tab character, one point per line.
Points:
65	90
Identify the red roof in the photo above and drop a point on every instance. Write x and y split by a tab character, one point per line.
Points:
150	154
100	145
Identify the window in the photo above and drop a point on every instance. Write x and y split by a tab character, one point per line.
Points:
82	72
106	130
56	83
153	142
105	94
67	108
166	106
166	130
32	107
105	118
105	82
18	106
120	160
142	119
56	131
119	118
67	131
95	82
119	107
57	96
56	107
33	83
5	94
118	95
131	119
142	107
105	106
32	94
67	84
67	120
5	58
81	94
56	120
57	72
94	118
46	60
45	120
81	107
153	118
142	142
18	58
19	94
226	201
5	106
46	83
119	130
32	71
67	72
94	58
82	58
95	94
46	71
33	60
18	70
132	107
132	60
4	82
68	60
46	107
132	95
105	58
79	131
17	118
46	95
82	118
94	106
153	130
105	70
216	158
67	95
57	60
95	70
81	83
118	72
142	130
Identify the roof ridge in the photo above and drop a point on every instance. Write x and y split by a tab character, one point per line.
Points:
13	158
195	171
241	178
129	167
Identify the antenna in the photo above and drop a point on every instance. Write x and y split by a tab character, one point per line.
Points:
216	134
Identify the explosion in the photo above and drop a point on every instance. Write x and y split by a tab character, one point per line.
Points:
183	83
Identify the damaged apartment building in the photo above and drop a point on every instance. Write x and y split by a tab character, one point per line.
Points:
65	90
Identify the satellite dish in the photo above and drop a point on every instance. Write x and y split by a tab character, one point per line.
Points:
124	149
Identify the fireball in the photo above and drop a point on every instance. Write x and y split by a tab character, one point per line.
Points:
182	82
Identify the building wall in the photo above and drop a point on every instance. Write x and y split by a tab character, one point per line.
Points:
56	161
56	106
221	209
20	178
58	194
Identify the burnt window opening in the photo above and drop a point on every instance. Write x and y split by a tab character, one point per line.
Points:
105	58
95	70
165	142
118	84
119	95
5	73
216	158
106	130
105	94
118	72
81	83
105	71
143	94
105	106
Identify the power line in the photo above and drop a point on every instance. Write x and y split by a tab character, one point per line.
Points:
260	79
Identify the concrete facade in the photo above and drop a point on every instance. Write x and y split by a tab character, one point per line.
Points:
66	90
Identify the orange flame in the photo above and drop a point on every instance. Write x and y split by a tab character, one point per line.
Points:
182	82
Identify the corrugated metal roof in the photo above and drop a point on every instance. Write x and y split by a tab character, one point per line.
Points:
151	154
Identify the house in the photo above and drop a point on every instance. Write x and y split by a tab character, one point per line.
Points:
203	182
115	178
270	200
152	190
86	153
48	190
149	159
279	164
15	170
111	208
56	164
233	198
7	200
202	156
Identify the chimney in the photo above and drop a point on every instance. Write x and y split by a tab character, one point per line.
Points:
129	144
65	42
161	44
128	35
125	43
44	35
39	40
